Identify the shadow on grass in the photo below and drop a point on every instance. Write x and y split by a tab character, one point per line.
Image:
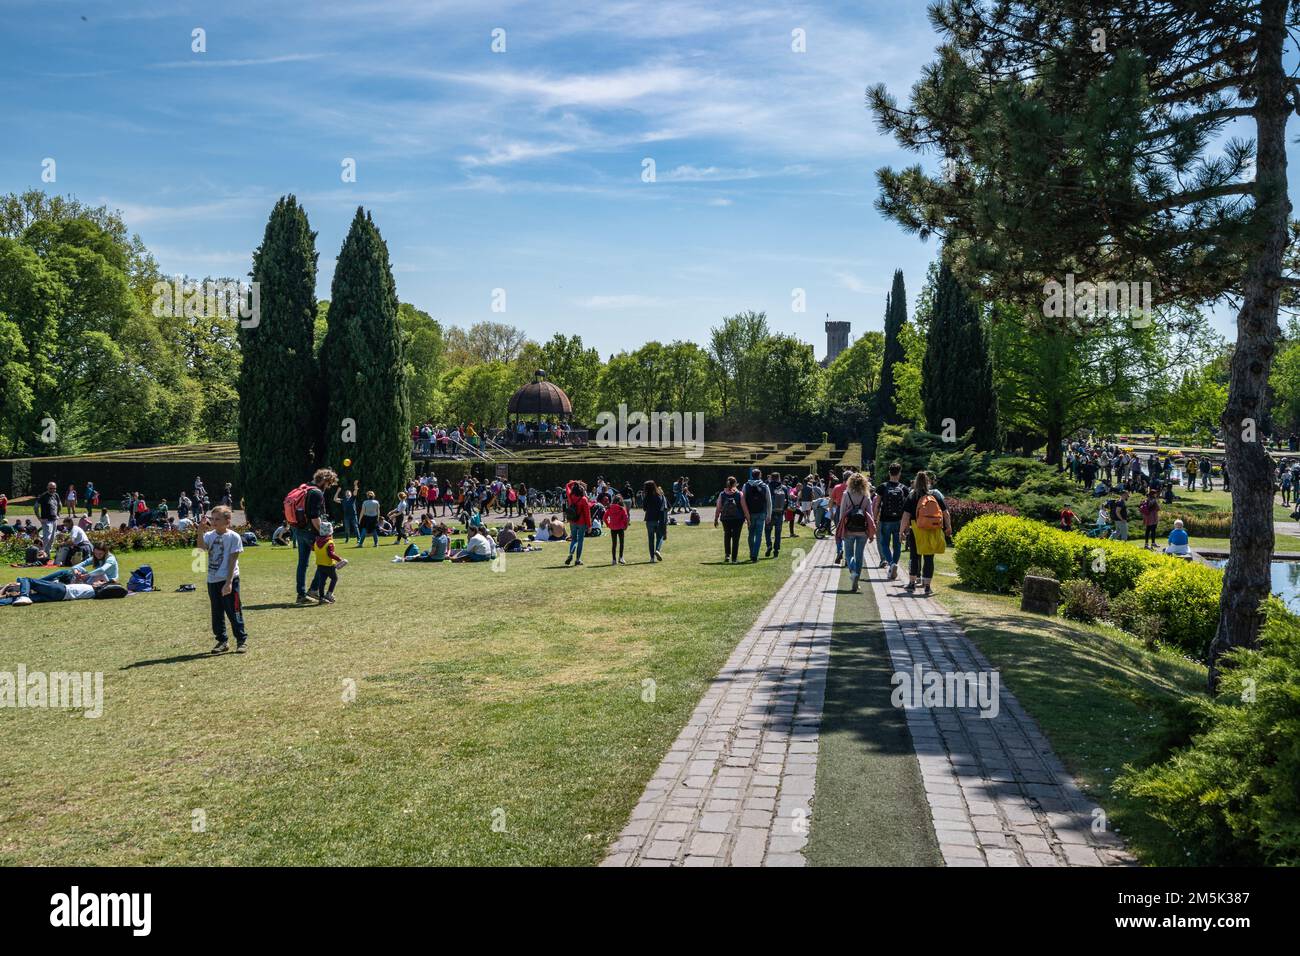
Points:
1094	693
178	659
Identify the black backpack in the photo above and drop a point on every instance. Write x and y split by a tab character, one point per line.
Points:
893	500
570	511
755	498
780	497
857	518
730	506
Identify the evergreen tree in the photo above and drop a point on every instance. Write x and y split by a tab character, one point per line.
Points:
277	377
895	319
363	369
1103	153
884	411
957	372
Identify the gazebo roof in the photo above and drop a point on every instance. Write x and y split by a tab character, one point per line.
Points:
540	397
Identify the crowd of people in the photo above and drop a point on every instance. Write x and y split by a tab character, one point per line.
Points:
450	441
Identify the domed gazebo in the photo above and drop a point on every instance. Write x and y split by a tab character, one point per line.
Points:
537	402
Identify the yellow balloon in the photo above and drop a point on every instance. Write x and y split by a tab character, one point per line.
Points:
347	462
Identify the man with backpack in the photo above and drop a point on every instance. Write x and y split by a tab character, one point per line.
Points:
892	500
1118	510
758	502
304	507
780	496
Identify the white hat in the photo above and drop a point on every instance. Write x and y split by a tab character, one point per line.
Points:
326	529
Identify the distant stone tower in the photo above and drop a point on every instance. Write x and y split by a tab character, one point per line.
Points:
837	340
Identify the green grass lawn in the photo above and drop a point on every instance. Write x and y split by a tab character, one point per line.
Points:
513	698
1090	688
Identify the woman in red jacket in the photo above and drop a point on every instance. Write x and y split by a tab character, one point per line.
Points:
616	520
577	511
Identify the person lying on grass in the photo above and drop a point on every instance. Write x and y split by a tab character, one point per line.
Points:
27	591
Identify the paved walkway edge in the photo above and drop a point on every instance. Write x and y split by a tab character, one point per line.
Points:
998	794
736	787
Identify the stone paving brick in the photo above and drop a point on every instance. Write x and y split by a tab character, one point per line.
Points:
993	784
742	773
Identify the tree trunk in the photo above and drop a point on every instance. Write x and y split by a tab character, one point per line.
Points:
1054	433
1248	579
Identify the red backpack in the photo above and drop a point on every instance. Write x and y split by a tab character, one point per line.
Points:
295	506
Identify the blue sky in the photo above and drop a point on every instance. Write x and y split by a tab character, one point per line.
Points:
519	170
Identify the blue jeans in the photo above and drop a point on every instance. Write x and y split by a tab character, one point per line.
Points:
757	522
773	535
655	532
577	535
891	548
40	590
855	545
350	527
304	540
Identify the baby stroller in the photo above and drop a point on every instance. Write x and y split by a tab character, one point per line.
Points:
822	527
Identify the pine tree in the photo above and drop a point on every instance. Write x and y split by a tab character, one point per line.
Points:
1093	139
957	372
278	372
363	369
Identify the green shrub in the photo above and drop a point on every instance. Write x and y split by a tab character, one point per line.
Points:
1232	794
1037	572
993	552
1126	613
1184	597
1083	601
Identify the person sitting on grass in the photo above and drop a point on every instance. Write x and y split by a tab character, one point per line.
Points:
480	547
1178	543
551	529
439	547
508	540
101	567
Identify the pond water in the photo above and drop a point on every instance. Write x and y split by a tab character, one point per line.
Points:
1286	581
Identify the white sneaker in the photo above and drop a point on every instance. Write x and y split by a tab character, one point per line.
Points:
22	601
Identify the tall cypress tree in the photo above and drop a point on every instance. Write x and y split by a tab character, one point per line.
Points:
957	372
895	317
362	366
278	373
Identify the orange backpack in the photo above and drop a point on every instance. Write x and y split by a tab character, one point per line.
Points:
929	515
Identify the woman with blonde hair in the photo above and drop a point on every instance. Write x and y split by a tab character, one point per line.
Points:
857	524
926	516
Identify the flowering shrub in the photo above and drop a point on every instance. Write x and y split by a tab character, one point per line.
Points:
963	511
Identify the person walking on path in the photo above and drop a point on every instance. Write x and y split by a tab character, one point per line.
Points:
306	528
732	513
891	499
780	495
926	516
577	511
655	507
758	507
856	524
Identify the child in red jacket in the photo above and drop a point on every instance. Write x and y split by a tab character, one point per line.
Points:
616	520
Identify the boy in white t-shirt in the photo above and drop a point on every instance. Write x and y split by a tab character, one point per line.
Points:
223	546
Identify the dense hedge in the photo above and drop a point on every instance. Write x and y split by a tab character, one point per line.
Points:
993	553
1231	793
